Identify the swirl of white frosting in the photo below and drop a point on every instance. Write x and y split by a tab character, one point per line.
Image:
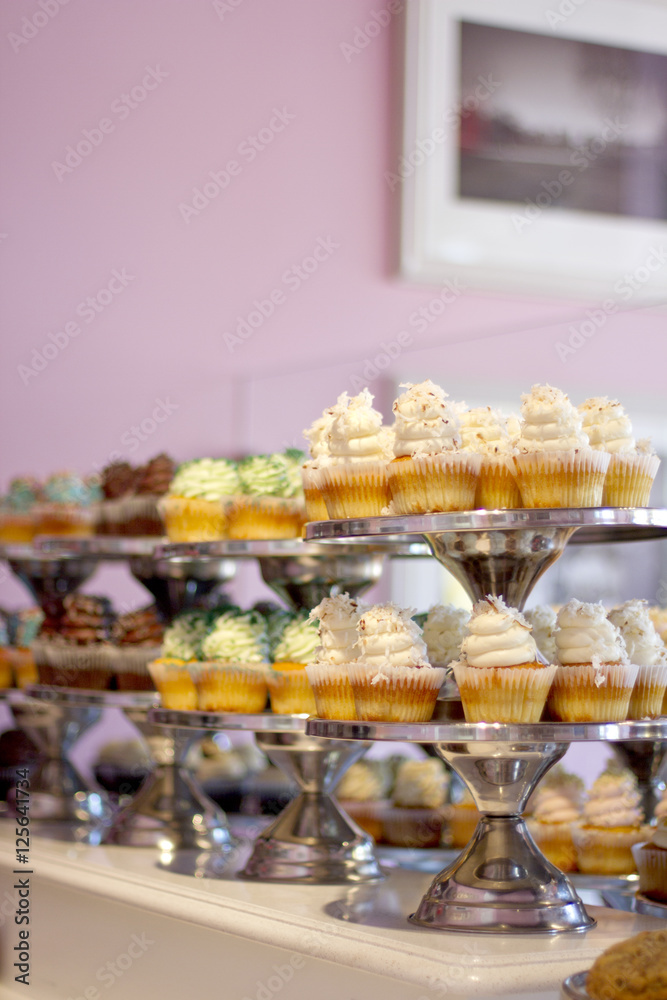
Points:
424	422
607	424
317	435
659	838
484	431
355	434
498	636
613	801
549	422
555	806
421	784
338	617
543	619
584	634
444	630
642	642
387	634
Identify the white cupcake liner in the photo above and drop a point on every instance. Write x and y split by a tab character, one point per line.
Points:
355	489
395	694
648	692
584	693
434	483
503	694
561	478
629	479
332	689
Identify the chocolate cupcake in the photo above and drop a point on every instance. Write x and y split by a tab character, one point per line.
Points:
74	650
138	639
117	481
140	512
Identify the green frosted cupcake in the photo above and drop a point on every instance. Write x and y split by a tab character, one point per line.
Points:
271	504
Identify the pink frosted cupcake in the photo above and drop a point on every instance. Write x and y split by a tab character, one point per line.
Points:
633	466
595	678
555	465
500	675
328	674
646	650
430	473
611	824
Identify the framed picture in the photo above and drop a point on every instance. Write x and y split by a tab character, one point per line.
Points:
535	147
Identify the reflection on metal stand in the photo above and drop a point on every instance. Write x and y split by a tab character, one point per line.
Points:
646	761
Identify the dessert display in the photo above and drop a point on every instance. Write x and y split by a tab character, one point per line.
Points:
74	649
633	465
418	814
391	678
485	432
17	520
232	675
328	675
499	674
430	472
595	678
443	630
317	436
289	687
635	969
557	803
137	637
195	506
611	824
543	619
269	503
647	651
363	793
68	505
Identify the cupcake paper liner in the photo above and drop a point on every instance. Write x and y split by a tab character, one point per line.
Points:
608	851
87	667
434	483
230	687
578	693
130	664
463	819
395	694
331	686
6	672
140	516
358	489
504	694
496	487
651	863
265	517
648	692
561	478
290	692
316	508
414	828
15	527
189	519
370	816
65	519
173	681
555	842
629	479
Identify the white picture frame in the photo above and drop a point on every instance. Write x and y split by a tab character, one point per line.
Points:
564	253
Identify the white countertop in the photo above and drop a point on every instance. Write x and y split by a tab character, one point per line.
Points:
362	930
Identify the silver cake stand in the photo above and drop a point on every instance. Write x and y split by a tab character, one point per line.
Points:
312	841
501	882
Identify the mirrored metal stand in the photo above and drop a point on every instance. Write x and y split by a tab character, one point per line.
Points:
64	804
312	840
501	882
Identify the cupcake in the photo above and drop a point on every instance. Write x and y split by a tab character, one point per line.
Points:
555	465
6	674
317	436
289	687
463	817
352	478
499	675
117	481
610	825
595	679
140	512
194	509
429	472
633	466
328	672
647	651
417	817
23	631
484	432
74	649
137	637
173	680
651	861
392	680
69	505
443	632
17	513
635	969
269	502
658	616
543	619
557	804
363	793
232	676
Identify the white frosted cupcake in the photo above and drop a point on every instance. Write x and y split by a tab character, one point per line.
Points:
646	650
429	472
557	804
484	432
392	679
595	679
651	861
317	436
499	674
418	815
328	673
611	824
555	465
633	466
444	631
353	476
543	619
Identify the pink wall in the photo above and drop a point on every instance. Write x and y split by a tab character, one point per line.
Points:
221	72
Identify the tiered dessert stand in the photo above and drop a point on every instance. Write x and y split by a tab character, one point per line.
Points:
501	882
